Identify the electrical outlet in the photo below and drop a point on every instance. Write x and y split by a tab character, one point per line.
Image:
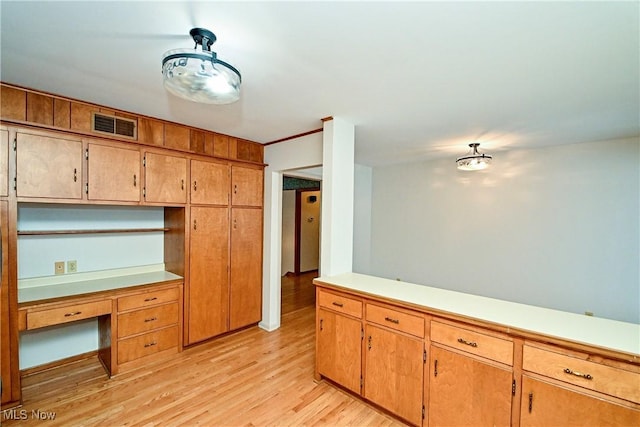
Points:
59	267
588	313
72	266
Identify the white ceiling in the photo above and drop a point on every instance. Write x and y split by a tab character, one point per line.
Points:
418	80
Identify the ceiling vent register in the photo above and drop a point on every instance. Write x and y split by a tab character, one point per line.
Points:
114	125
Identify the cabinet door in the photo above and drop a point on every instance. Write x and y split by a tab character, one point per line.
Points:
113	173
465	391
165	178
340	349
209	183
48	167
545	404
393	372
4	163
246	267
208	273
247	186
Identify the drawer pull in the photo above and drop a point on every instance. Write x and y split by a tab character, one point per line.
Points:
463	341
151	319
338	304
389	319
75	313
151	344
577	374
150	299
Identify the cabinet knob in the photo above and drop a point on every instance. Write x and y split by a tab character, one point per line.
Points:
195	224
135	181
182	184
235	189
195	185
75	175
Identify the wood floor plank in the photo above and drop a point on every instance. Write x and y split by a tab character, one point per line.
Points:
250	378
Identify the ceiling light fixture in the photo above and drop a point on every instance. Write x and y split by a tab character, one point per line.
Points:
199	76
473	161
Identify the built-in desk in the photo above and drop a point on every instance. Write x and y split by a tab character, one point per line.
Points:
139	315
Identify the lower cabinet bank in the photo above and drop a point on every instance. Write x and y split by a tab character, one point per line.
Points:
406	349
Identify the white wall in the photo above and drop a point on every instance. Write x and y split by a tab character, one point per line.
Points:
555	227
288	232
362	218
299	153
36	255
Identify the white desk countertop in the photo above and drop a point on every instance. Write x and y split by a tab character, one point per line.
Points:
31	290
604	333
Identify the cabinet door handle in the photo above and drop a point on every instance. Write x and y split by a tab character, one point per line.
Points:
151	344
578	374
321	320
435	368
530	402
151	319
195	224
195	185
338	304
182	184
135	180
75	175
75	313
235	189
469	343
369	342
235	223
150	299
389	319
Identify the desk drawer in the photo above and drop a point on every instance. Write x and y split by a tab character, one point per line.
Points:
146	299
491	347
145	345
399	320
340	303
147	319
584	373
70	313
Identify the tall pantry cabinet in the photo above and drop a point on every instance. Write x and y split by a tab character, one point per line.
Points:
225	264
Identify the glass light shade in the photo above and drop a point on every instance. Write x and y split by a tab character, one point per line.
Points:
474	161
200	77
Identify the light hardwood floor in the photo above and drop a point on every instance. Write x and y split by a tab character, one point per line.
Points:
250	378
298	291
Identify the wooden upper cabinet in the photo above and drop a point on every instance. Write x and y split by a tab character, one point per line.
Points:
113	173
246	185
150	131
394	371
467	391
48	167
81	116
176	136
13	103
341	357
4	162
39	108
547	404
165	178
246	267
209	183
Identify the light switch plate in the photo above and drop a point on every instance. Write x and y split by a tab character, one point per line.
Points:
59	267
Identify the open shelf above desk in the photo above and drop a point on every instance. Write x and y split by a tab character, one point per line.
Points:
96	231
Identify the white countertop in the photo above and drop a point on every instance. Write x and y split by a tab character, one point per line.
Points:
604	333
44	290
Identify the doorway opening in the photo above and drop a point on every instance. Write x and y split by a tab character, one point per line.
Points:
301	224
